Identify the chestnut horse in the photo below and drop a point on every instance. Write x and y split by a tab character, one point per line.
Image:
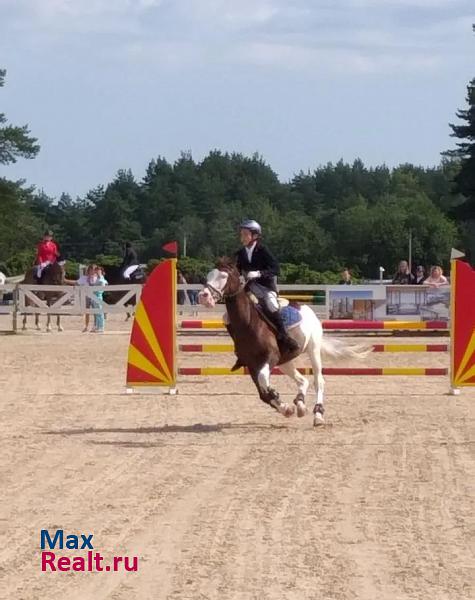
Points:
53	274
256	344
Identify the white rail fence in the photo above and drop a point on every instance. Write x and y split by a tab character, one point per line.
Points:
367	302
67	300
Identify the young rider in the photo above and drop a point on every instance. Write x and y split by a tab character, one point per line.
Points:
260	269
130	261
47	252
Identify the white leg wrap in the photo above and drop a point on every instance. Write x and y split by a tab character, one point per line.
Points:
264	377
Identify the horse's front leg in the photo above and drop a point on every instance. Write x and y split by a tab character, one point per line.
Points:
290	369
58	323
48	323
261	378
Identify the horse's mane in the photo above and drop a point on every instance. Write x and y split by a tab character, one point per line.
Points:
224	263
56	273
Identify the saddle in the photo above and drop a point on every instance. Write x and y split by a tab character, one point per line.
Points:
290	316
137	275
289	311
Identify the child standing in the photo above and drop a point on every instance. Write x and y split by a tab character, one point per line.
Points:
98	302
87	279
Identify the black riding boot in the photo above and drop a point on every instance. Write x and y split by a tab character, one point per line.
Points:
238	364
283	338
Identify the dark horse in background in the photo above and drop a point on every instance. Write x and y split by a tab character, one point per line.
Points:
115	276
53	274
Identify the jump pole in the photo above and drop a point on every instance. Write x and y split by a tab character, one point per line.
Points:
374	371
340	325
225	348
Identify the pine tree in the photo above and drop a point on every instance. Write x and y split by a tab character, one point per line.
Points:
14	141
465	152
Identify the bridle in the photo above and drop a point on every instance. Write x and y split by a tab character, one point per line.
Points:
216	294
219	296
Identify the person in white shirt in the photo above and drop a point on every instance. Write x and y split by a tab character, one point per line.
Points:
88	279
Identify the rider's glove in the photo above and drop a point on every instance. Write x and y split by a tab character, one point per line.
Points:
253	275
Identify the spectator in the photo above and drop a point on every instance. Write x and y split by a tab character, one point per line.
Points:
420	275
181	295
99	279
403	275
193	294
436	278
345	277
87	279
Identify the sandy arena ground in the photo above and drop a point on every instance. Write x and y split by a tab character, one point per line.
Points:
219	496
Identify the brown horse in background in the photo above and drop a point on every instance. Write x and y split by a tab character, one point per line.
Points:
53	274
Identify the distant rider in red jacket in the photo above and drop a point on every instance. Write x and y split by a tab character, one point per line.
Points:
47	252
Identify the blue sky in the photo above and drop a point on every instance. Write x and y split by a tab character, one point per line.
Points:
110	84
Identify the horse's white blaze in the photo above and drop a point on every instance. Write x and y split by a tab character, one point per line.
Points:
217	280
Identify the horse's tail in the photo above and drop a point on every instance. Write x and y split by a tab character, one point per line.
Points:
339	349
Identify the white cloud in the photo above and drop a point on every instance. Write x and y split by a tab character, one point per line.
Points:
430	4
234	13
300	34
80	8
330	59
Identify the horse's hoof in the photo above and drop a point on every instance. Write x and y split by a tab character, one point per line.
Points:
318	415
288	410
301	409
48	330
318	420
38	328
60	328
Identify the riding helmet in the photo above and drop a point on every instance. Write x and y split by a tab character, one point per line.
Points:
251	225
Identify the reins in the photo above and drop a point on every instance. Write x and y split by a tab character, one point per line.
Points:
218	295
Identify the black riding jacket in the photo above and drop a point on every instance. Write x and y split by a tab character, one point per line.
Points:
262	260
130	258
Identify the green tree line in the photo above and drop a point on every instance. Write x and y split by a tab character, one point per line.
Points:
338	215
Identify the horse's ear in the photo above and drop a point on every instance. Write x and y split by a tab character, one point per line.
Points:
224	263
